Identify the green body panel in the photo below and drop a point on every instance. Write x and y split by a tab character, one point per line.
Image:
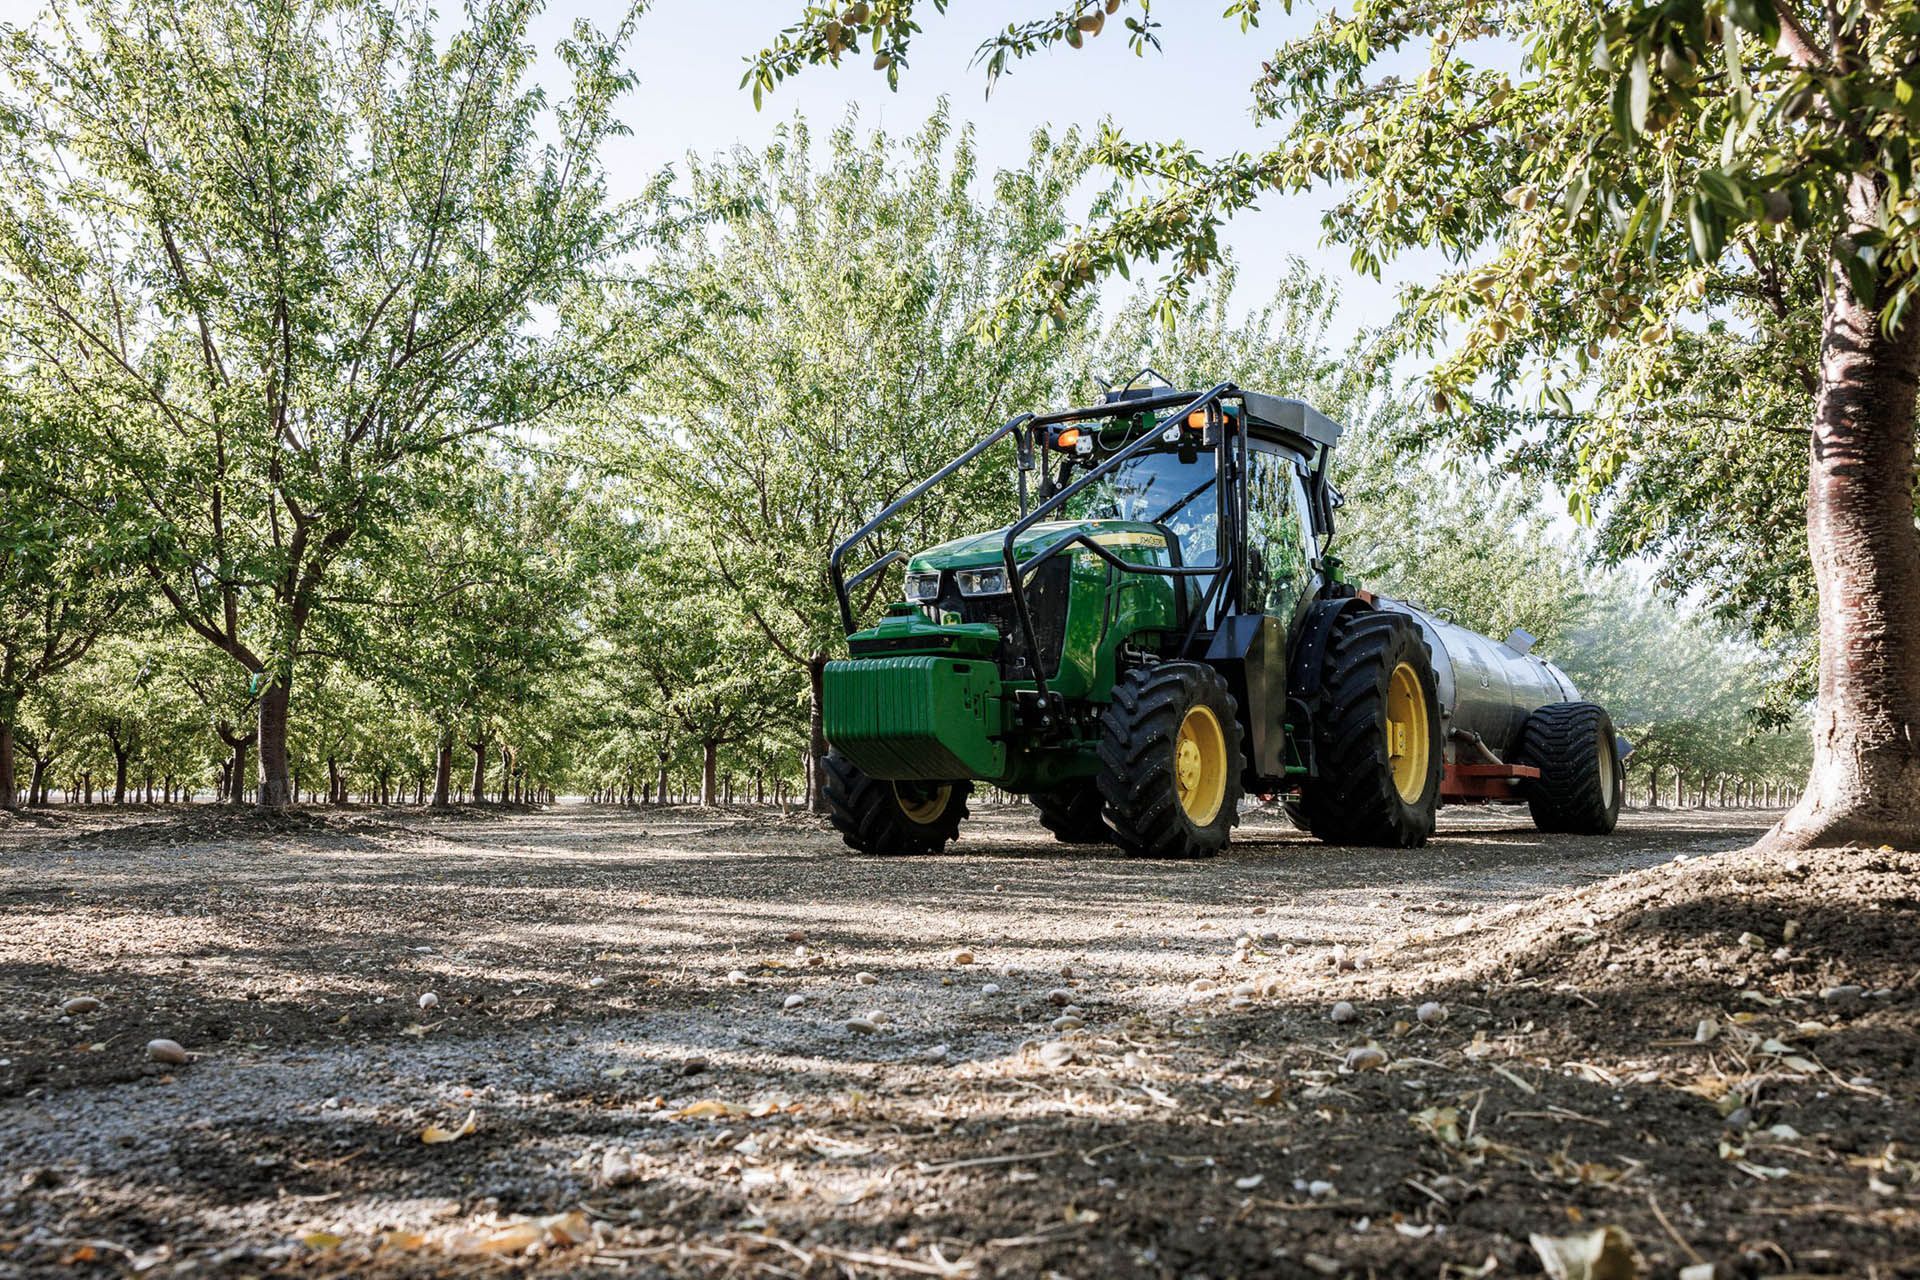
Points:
921	700
917	717
1106	608
907	629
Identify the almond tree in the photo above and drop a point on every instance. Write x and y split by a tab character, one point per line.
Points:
833	358
274	254
64	567
1651	168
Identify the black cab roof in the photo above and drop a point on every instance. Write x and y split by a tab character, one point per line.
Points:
1280	414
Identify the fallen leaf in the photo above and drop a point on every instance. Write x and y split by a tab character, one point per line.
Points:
521	1236
834	1148
707	1109
322	1240
433	1134
1605	1254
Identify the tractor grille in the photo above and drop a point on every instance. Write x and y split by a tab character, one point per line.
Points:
1046	601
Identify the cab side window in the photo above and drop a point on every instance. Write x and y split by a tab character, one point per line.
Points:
1279	555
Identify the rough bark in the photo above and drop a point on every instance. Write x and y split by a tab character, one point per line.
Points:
276	773
443	772
817	733
479	770
1864	786
7	784
709	772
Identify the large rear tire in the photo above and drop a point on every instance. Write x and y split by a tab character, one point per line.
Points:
879	817
1378	739
1073	813
1170	762
1581	784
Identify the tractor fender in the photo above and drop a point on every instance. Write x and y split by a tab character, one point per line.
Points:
1310	650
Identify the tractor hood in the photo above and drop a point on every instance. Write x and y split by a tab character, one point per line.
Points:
978	549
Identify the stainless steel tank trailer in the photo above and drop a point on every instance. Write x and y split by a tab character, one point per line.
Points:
1165	630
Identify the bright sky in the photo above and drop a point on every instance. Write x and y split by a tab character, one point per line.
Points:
690	56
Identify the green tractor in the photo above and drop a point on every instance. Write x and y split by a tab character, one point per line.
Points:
1163	632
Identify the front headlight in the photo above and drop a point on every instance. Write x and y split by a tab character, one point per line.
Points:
923	588
981	582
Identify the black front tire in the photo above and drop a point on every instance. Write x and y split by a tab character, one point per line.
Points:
1073	813
1581	784
1357	800
879	817
1141	766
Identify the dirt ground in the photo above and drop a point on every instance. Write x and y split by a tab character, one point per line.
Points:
714	1044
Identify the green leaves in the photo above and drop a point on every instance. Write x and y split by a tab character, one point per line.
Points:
1759	17
297	266
833	341
1637	91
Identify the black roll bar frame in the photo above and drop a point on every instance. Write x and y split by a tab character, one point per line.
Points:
842	585
1017	570
1228	463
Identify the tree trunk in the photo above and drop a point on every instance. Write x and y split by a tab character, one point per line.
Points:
660	788
7	800
709	773
443	772
817	733
276	774
119	777
1864	786
479	770
37	789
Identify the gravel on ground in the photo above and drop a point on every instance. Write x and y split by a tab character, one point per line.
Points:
713	1042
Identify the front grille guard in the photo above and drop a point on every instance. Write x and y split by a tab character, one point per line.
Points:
1017	569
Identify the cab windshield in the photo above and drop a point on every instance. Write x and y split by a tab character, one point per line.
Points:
1157	487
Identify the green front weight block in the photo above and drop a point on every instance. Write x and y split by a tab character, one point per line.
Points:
917	718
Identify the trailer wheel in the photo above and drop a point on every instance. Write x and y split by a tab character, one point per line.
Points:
1170	762
1072	813
880	817
1379	745
1581	784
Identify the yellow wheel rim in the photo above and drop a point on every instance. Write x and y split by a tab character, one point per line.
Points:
923	807
1409	740
1200	765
